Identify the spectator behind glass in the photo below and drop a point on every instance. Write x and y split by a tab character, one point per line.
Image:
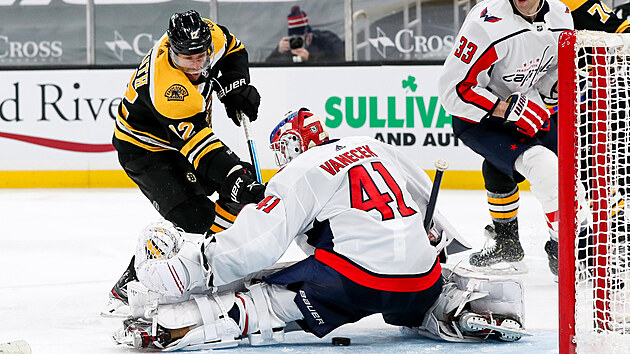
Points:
306	45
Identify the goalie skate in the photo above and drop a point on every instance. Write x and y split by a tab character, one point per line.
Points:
499	327
138	334
118	302
115	308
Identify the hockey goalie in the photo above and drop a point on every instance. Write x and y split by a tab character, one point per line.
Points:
356	207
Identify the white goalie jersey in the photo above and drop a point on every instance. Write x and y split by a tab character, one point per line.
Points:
497	52
355	197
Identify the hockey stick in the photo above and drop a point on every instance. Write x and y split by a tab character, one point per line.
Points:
250	143
440	166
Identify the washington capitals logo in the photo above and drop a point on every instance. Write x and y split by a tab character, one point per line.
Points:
488	18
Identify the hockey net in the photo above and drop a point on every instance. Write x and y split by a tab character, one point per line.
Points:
593	150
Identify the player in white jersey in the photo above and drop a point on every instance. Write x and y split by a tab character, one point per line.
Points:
493	83
356	206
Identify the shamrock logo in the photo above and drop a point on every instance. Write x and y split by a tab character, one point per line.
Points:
410	83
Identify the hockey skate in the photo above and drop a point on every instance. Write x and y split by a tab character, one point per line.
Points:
488	326
502	254
475	308
118	303
551	248
138	334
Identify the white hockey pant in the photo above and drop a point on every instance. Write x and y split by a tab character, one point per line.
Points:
473	292
264	310
539	166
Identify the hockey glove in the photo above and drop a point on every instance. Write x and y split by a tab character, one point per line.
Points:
241	187
237	95
169	264
528	117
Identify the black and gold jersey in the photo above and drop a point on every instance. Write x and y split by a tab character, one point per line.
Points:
594	15
163	110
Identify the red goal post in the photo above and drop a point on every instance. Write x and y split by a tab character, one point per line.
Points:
594	166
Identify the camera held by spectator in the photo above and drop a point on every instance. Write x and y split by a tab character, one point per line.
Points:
296	42
306	45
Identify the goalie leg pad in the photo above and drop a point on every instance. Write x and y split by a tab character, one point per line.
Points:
213	327
504	294
263	312
269	307
468	292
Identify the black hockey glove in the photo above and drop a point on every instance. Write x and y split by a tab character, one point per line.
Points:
237	95
241	187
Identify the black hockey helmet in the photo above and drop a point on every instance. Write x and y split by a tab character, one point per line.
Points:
188	33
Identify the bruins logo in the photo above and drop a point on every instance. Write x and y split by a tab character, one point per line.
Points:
176	92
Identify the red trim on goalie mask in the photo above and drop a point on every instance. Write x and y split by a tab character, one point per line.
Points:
379	282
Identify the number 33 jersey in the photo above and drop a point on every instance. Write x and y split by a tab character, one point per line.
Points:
498	52
355	202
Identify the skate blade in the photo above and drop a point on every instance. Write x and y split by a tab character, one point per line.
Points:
503	268
517	332
116	309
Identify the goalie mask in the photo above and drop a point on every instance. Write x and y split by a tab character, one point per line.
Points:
190	41
297	132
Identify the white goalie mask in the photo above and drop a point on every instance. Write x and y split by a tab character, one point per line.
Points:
297	132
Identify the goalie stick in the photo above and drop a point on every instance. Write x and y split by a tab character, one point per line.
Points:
250	143
440	166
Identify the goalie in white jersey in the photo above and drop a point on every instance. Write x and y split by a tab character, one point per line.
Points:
355	206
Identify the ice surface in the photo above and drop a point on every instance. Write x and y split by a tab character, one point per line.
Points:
61	250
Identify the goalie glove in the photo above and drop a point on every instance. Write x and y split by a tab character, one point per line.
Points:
168	264
237	94
528	117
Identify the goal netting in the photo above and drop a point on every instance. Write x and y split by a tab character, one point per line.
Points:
593	148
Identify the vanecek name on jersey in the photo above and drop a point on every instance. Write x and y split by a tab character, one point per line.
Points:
330	194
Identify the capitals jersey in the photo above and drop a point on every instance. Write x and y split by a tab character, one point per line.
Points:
498	52
163	110
355	203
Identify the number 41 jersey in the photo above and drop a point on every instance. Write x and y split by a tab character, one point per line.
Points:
498	52
355	202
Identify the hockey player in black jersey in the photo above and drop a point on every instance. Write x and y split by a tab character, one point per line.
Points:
587	15
164	135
